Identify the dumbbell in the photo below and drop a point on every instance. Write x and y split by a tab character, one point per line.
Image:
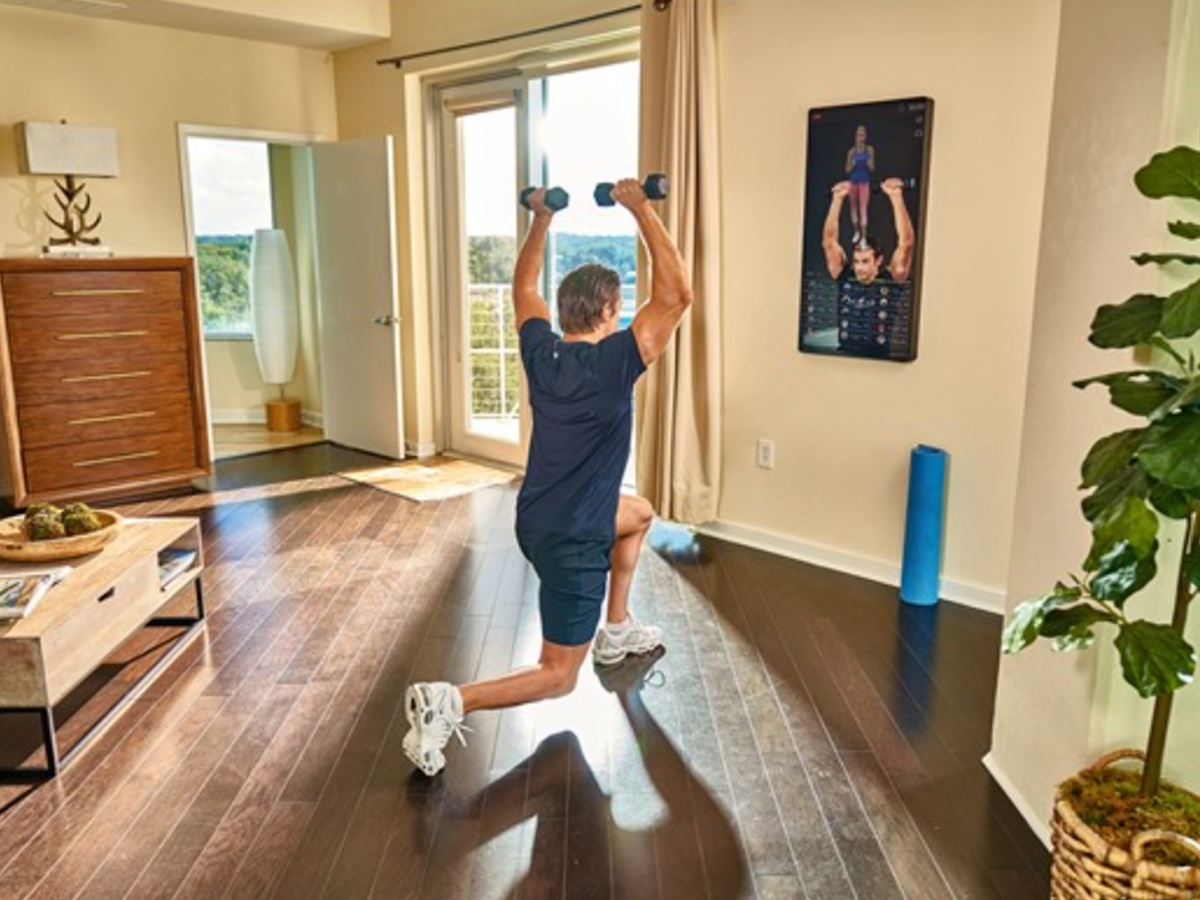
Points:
655	187
907	184
556	198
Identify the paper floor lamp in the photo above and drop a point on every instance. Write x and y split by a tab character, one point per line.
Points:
275	321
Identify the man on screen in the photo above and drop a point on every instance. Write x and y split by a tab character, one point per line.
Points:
868	292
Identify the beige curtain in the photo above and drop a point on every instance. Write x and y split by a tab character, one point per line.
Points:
679	398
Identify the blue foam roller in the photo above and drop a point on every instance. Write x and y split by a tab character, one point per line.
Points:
921	570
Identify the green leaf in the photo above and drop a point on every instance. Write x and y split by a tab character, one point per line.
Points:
1132	481
1109	455
1172	503
1175	173
1130	521
1155	658
1171	452
1143	259
1181	312
1071	626
1140	391
1024	626
1189	230
1188	396
1122	573
1129	323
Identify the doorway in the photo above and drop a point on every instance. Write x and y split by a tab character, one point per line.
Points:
334	202
239	183
571	127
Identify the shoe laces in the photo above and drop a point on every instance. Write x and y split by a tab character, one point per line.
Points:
655	678
447	724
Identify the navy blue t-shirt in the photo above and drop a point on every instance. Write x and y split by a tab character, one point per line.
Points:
582	398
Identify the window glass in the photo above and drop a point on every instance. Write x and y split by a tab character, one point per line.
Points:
231	198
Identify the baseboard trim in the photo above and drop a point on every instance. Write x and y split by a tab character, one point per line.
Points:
420	449
962	593
258	416
1040	827
238	416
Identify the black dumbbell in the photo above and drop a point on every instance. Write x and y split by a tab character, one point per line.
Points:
556	198
655	187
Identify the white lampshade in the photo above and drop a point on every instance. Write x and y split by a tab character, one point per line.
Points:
55	148
273	306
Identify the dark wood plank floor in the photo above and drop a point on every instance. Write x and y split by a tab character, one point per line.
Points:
803	735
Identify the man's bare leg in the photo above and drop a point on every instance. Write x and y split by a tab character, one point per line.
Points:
553	675
634	517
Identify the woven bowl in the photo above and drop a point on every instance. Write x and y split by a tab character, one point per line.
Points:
16	546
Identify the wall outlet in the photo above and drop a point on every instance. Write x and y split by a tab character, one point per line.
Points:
764	454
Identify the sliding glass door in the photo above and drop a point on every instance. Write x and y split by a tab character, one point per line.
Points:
570	128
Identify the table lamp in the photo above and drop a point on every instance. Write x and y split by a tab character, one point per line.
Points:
69	152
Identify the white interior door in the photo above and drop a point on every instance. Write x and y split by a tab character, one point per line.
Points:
358	302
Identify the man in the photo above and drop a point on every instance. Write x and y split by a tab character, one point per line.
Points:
868	296
572	522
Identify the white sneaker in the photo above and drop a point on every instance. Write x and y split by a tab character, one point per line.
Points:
434	711
610	648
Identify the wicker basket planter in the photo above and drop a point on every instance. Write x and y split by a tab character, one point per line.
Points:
1087	867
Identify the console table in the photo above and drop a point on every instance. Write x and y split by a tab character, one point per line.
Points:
108	596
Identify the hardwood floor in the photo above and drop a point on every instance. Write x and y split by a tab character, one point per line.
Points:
242	440
804	735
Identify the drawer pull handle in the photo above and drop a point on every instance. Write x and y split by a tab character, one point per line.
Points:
107	595
98	292
104	460
74	379
93	420
97	335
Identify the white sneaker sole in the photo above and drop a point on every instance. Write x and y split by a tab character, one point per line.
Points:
611	659
430	762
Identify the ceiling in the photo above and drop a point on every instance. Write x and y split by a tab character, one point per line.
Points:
203	18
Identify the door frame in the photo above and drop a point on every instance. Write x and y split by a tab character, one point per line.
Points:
505	90
184	130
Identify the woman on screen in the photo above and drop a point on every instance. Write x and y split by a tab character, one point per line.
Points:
860	165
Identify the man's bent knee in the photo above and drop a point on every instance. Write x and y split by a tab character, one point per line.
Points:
562	679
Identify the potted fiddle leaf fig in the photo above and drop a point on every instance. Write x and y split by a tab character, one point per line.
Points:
1109	827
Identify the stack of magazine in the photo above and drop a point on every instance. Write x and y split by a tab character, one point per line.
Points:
173	561
20	593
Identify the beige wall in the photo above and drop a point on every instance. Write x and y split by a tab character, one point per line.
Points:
843	428
1055	712
143	81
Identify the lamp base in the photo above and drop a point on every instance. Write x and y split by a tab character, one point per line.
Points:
77	251
283	415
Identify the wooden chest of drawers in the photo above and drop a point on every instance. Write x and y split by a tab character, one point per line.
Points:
101	384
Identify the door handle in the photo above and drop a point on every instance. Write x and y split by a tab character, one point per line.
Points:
385	320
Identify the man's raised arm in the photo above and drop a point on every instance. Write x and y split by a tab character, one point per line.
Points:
835	256
528	303
901	262
670	286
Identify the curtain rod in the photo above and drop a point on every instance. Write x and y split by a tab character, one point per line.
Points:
398	61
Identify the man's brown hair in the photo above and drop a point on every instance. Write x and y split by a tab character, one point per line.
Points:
584	295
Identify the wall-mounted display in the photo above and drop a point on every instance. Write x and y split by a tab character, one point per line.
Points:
865	189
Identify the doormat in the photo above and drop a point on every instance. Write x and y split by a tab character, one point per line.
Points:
430	480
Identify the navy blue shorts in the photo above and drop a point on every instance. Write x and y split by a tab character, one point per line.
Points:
574	577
